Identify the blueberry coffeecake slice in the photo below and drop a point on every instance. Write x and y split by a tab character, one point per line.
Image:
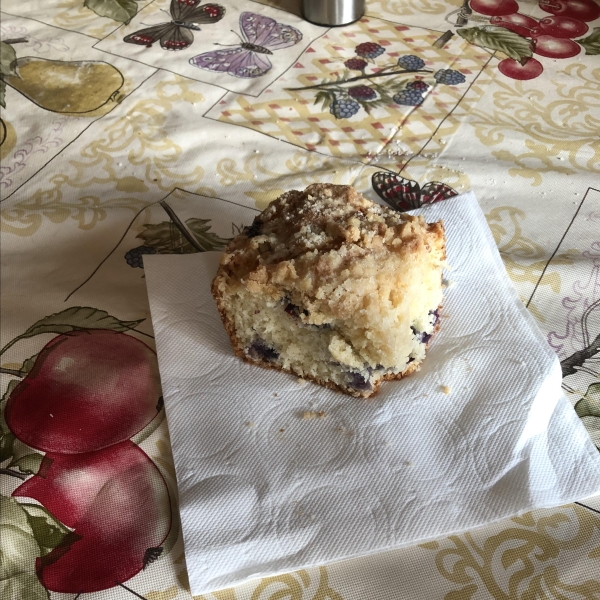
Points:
334	288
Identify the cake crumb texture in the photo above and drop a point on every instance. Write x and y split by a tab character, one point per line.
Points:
334	288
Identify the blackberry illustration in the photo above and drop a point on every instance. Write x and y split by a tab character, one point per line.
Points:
134	256
362	92
449	77
418	85
343	108
355	64
369	50
410	62
408	97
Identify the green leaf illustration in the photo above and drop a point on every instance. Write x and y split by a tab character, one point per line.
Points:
74	319
166	238
30	463
2	93
9	389
17	567
19	450
589	405
28	364
47	530
591	43
325	98
588	409
10	446
117	10
23	585
208	240
7	59
12	513
6	444
18	552
499	38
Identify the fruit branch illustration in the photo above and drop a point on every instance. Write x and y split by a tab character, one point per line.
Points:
384	72
519	36
588	410
70	426
6	471
175	237
574	363
167	237
585	362
407	82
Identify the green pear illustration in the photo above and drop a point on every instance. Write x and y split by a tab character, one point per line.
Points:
71	87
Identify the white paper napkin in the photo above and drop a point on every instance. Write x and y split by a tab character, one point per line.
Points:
269	485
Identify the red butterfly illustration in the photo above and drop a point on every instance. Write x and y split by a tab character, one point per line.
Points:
177	34
406	194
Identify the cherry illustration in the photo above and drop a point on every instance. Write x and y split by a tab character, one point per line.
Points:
87	390
521	24
562	27
583	10
551	47
493	8
515	70
117	502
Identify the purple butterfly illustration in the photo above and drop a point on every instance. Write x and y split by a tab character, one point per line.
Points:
406	194
177	34
260	36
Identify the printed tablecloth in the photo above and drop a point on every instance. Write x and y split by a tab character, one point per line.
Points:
162	127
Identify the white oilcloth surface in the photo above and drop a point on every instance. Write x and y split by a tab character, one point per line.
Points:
263	490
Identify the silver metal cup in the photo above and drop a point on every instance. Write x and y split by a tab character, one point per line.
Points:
333	12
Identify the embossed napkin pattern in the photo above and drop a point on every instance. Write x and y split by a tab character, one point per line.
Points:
274	475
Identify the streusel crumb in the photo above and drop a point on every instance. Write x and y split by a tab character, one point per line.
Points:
334	288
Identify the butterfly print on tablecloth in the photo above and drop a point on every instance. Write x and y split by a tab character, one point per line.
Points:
406	194
177	34
260	36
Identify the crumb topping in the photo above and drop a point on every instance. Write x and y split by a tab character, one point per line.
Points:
329	268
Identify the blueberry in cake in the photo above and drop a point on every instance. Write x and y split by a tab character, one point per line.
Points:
334	288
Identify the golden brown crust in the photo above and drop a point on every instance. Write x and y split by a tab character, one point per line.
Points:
227	322
299	245
299	235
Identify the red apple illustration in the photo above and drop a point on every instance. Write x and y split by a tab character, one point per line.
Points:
561	27
515	70
551	47
493	8
116	501
521	24
583	10
87	390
